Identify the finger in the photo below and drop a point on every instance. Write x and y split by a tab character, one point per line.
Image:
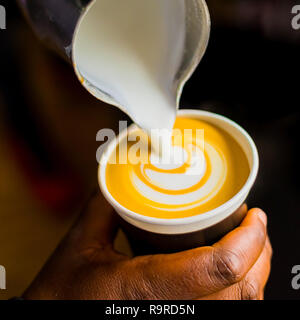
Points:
243	246
97	225
200	272
252	286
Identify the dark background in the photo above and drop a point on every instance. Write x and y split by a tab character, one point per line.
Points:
250	74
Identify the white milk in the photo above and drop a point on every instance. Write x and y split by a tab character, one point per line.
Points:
131	50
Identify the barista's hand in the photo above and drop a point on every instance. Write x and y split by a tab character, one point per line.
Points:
85	266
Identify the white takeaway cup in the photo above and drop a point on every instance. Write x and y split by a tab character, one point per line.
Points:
169	235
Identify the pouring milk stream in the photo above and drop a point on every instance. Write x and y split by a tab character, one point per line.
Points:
131	51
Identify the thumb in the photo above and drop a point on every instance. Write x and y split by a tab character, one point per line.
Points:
97	225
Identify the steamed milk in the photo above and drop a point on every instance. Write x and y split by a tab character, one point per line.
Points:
131	50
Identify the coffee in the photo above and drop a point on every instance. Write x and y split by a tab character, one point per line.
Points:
206	167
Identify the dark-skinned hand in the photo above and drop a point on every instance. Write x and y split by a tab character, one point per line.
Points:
86	266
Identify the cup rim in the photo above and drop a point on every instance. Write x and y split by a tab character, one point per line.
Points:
186	220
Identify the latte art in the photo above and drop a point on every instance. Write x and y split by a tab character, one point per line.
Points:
200	174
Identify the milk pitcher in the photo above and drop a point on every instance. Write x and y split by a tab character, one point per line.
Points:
56	22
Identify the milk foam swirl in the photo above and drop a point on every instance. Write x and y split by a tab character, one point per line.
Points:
182	186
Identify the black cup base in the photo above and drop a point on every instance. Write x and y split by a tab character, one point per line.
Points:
144	242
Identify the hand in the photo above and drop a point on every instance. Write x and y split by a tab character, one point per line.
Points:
85	265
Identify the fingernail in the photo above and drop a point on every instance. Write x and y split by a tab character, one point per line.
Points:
262	216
